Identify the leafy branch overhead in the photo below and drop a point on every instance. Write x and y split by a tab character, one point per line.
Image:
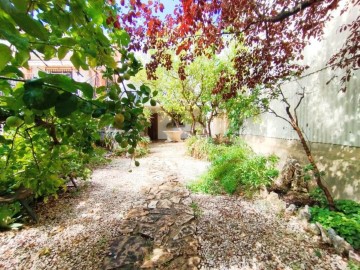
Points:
275	33
51	121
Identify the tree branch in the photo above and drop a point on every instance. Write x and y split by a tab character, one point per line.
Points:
33	150
12	145
286	13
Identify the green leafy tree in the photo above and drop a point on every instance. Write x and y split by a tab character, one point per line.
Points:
191	98
50	129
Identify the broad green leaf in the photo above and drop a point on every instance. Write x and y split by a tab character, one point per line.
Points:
76	60
42	74
11	103
146	99
21	5
92	61
98	112
61	81
124	38
49	52
68	41
105	120
86	107
145	89
38	96
62	52
5	85
18	41
109	61
5	56
66	105
131	86
94	13
30	26
22	57
86	89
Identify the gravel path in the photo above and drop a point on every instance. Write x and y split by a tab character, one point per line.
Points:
75	231
239	234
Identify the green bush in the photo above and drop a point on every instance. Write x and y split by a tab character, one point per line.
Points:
7	216
142	148
209	149
318	195
345	221
199	147
235	167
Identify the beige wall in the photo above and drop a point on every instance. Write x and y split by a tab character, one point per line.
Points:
341	163
163	120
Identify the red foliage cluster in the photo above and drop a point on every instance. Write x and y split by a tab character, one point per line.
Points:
273	33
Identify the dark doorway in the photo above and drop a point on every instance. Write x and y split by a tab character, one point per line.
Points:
153	129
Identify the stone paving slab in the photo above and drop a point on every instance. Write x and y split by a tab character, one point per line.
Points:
160	235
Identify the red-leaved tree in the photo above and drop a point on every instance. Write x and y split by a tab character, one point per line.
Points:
274	34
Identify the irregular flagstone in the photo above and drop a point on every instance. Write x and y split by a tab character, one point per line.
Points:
126	252
161	235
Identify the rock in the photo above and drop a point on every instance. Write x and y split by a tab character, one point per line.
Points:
175	199
158	257
136	212
164	204
187	201
152	204
277	204
304	213
313	229
324	236
341	246
298	198
354	256
291	178
126	252
290	209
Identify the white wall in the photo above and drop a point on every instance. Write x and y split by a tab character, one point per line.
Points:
163	120
325	115
219	126
329	118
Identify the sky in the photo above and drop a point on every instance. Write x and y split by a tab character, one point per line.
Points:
169	6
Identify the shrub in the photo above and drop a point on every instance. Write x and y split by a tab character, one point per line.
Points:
318	195
141	150
345	221
7	216
199	147
236	167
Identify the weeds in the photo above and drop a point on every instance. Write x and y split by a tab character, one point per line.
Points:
345	221
234	168
196	209
8	215
353	265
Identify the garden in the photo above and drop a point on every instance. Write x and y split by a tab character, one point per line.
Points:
83	185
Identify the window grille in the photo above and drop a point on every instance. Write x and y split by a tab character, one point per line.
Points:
68	71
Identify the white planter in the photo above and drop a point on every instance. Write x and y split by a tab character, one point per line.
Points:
173	135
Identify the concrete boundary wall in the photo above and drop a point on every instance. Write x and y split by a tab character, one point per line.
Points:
329	118
340	163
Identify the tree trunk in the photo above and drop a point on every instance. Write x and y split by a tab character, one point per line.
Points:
311	160
209	129
193	123
209	124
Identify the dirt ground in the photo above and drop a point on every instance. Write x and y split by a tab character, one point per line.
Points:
74	232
